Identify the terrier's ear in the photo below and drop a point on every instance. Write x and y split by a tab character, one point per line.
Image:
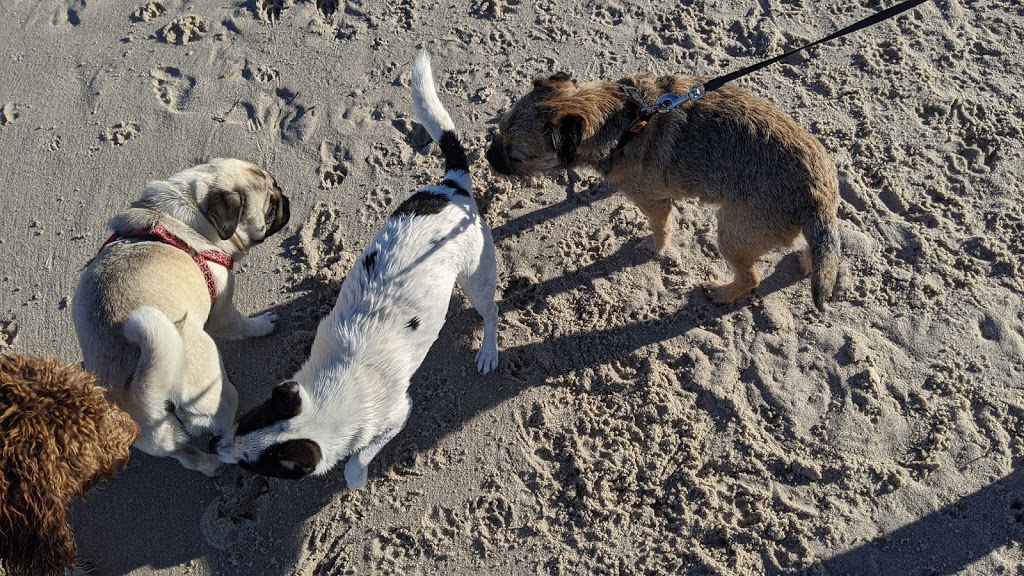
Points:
553	81
224	210
565	136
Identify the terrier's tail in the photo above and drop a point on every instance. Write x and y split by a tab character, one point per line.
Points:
431	113
822	233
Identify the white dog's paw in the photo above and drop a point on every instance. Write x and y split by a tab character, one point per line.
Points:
355	475
487	359
261	325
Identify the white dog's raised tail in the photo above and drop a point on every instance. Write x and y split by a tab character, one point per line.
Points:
432	114
429	110
161	366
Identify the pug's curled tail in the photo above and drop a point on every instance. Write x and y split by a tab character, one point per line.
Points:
161	366
432	114
822	233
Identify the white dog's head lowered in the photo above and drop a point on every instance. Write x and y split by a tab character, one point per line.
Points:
266	441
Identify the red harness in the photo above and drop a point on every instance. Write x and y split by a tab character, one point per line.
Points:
161	234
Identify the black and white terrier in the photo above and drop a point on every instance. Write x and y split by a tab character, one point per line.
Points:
350	397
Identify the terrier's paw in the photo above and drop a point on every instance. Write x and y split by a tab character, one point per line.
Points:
805	260
658	247
261	325
355	475
671	256
726	292
487	359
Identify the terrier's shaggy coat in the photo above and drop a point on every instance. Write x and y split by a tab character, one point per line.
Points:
771	180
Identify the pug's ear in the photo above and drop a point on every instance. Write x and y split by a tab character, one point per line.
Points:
565	136
224	210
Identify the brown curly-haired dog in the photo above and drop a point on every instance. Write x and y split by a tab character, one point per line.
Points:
59	436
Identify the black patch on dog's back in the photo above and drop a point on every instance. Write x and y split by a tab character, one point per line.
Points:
284	403
455	186
414	323
369	261
422	203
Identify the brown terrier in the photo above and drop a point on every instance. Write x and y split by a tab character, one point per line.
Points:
60	437
771	180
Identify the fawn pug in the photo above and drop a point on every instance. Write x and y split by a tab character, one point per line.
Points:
148	304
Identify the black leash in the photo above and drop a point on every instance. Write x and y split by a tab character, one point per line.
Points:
717	83
668	102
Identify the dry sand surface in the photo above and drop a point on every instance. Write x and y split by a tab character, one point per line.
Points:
634	426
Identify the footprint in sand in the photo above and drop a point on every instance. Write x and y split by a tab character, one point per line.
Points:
172	87
68	13
120	133
293	121
230	517
334	159
183	30
148	12
8	332
261	73
269	11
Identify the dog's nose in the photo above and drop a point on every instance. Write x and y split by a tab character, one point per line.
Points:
496	158
214	441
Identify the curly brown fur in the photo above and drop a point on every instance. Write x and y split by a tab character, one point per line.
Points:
770	178
60	438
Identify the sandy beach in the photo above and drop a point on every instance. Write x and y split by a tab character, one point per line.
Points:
634	426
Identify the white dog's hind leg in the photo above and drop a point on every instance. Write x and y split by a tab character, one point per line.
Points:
355	468
479	285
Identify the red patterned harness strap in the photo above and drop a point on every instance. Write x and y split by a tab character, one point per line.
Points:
159	233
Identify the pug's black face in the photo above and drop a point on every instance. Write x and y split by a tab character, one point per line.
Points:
243	202
278	211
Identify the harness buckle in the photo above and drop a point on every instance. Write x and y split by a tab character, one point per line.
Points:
670	101
697	92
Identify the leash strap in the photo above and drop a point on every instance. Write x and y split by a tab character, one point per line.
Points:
160	233
669	101
718	82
